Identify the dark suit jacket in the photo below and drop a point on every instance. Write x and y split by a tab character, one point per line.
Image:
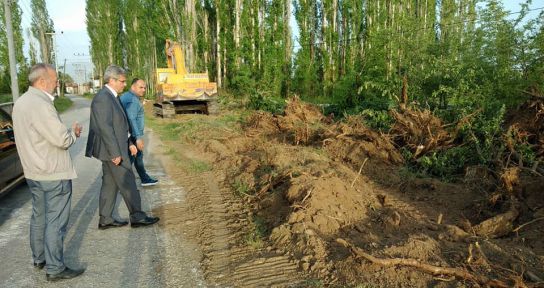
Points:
108	129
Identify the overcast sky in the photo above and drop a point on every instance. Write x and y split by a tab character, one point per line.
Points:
73	42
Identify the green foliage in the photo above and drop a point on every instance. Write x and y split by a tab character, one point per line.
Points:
482	134
242	82
258	231
41	25
446	163
169	131
5	98
18	39
478	142
62	104
377	119
270	104
197	166
459	58
241	188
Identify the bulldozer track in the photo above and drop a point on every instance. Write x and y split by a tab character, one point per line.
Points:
222	223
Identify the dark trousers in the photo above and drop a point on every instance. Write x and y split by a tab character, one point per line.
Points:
139	165
51	202
118	178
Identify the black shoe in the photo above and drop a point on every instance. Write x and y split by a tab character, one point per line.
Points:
149	182
144	222
39	265
67	273
114	224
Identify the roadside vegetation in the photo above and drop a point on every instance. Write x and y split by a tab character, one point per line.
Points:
62	104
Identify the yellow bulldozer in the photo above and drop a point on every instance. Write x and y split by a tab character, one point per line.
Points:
179	91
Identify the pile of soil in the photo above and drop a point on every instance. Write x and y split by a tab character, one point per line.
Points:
334	197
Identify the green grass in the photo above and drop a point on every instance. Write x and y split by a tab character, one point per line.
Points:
195	128
241	188
88	95
254	238
5	98
313	283
62	104
190	165
197	166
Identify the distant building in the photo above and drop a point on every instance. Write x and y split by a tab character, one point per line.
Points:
79	89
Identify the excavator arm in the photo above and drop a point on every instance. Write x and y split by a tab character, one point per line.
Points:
175	57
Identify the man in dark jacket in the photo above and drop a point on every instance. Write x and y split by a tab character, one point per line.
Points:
135	114
109	142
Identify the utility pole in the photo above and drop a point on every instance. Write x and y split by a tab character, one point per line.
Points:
54	50
63	82
11	51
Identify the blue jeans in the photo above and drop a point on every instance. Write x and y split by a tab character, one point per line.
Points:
139	165
51	202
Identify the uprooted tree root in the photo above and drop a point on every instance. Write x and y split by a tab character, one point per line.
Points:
503	223
461	273
499	225
419	130
353	142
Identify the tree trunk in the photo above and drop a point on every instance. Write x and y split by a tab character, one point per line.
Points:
237	15
218	45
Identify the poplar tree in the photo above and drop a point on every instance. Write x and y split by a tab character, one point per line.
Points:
105	29
42	29
22	71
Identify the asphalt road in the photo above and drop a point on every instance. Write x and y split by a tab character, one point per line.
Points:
121	257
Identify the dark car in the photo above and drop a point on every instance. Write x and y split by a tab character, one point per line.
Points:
11	170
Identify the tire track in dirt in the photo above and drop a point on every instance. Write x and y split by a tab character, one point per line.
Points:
216	219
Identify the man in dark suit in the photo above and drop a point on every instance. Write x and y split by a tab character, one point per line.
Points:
110	143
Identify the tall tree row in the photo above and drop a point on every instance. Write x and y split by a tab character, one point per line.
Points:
344	51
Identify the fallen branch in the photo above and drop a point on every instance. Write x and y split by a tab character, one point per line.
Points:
528	223
307	195
431	269
360	169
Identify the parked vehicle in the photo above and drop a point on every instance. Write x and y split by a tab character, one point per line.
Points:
11	170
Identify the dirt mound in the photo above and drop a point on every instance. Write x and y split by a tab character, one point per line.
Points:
353	142
304	124
331	196
310	196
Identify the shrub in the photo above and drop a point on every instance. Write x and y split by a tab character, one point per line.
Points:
258	101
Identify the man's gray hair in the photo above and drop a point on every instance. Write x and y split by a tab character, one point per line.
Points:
39	71
113	72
